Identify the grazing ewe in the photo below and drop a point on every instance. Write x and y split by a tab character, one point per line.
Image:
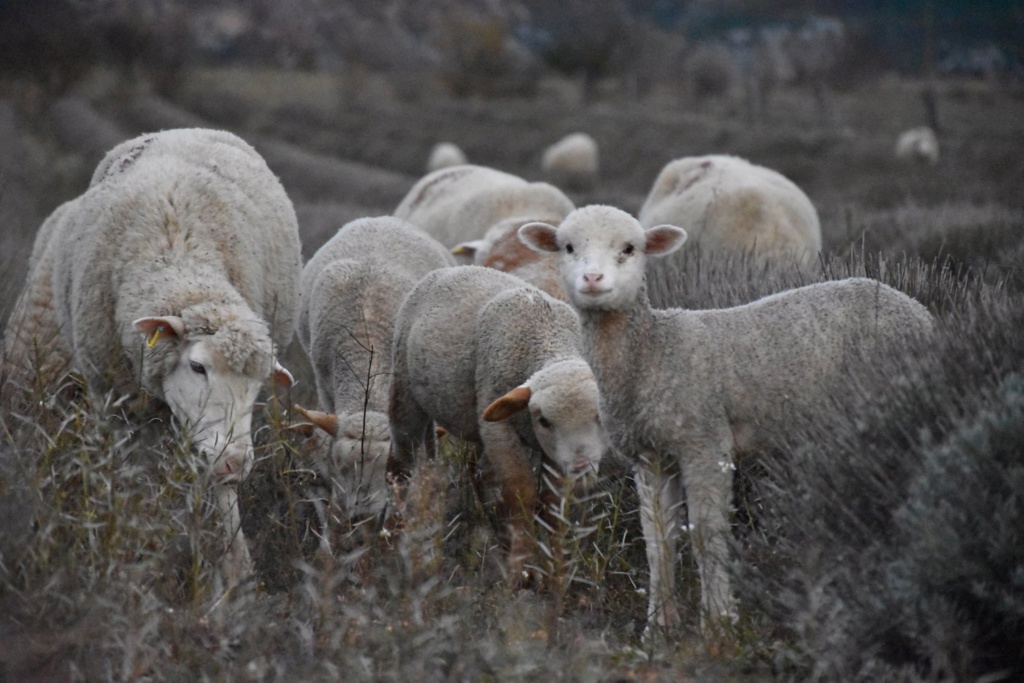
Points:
572	161
729	204
178	268
918	144
682	392
443	155
496	362
478	211
351	291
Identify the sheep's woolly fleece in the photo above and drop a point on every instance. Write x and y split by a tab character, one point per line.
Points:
351	291
729	204
461	203
497	363
186	222
683	391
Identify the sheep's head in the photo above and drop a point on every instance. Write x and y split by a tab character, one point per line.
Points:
210	380
602	254
360	446
562	399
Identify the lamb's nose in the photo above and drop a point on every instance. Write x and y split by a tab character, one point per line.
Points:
592	278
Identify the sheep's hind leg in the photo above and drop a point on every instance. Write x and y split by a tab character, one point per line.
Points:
708	476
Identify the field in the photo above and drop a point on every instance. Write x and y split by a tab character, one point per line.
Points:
883	541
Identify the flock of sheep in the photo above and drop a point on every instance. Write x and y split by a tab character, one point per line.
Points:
485	306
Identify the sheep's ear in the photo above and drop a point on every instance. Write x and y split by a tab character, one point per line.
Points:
539	236
325	421
281	377
662	240
467	249
163	327
508	405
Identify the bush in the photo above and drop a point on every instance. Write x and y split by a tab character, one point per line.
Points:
899	512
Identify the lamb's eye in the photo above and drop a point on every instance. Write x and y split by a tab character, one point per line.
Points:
543	422
197	368
568	249
628	250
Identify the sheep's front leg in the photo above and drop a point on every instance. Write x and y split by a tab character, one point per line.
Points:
659	494
412	430
236	564
708	475
509	471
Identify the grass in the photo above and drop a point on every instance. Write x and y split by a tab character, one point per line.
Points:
861	551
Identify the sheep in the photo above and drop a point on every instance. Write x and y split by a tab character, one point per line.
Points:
477	210
177	269
461	203
351	290
683	392
501	249
918	144
445	154
572	161
496	362
730	204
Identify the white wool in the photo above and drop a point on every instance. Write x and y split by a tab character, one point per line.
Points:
728	204
496	363
445	154
351	290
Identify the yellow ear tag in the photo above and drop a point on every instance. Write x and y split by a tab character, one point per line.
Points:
155	337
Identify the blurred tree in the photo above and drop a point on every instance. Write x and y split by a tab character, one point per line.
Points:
584	36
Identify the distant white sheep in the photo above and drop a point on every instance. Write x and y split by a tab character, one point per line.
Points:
178	267
729	204
496	363
478	210
683	391
918	144
351	290
572	161
445	154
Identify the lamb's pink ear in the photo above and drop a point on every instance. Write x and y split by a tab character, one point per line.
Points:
662	240
539	236
281	377
156	329
508	405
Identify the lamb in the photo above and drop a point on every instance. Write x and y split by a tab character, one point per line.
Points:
730	204
445	154
351	290
477	211
178	268
572	161
496	363
683	392
918	144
